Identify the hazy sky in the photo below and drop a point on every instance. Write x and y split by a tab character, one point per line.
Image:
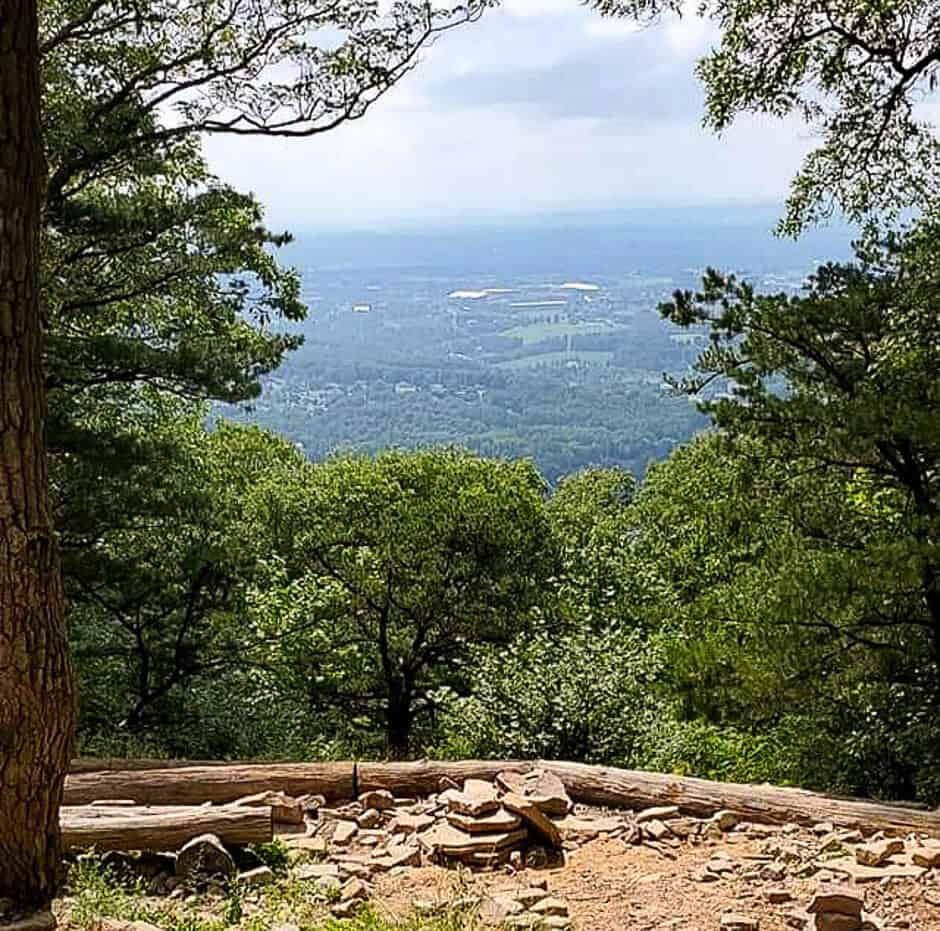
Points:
543	105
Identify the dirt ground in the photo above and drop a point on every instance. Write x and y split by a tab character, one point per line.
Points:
609	885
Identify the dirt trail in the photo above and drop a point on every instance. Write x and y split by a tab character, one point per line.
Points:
609	885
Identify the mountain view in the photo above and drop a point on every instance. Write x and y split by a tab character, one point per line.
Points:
469	464
540	340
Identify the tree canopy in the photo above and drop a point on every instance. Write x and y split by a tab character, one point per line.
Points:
855	71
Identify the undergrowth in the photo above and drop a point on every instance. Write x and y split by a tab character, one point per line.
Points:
96	892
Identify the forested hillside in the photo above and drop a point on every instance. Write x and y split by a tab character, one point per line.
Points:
540	340
687	523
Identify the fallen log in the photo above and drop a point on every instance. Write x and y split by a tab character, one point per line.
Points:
193	785
599	785
423	777
160	828
89	764
593	785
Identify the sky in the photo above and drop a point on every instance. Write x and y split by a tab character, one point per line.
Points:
541	107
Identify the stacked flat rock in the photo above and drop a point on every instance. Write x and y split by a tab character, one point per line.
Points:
485	822
839	908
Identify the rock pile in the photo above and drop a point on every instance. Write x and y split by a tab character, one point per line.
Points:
839	908
479	824
521	820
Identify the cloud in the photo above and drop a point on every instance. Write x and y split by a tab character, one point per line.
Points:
541	105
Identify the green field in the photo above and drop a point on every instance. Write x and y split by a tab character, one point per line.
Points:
552	358
536	332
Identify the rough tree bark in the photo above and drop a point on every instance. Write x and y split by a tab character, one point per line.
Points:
194	785
161	828
36	695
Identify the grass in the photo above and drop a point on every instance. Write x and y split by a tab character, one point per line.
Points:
96	892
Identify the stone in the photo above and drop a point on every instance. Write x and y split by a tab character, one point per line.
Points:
572	827
545	789
345	908
448	840
284	808
315	870
301	846
774	872
837	921
878	852
720	865
494	910
730	921
932	897
555	923
381	799
311	803
866	874
528	897
726	820
204	856
354	889
841	899
927	857
522	921
410	824
823	828
533	816
549	906
776	895
370	818
360	867
501	820
682	827
445	783
259	876
486	860
344	832
655	829
399	855
478	797
657	814
798	920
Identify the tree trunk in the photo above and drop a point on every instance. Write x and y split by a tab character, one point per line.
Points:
36	696
398	721
161	828
194	785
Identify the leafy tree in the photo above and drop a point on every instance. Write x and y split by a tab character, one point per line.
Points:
154	269
857	355
589	513
578	695
166	596
409	559
856	71
36	695
162	291
824	577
